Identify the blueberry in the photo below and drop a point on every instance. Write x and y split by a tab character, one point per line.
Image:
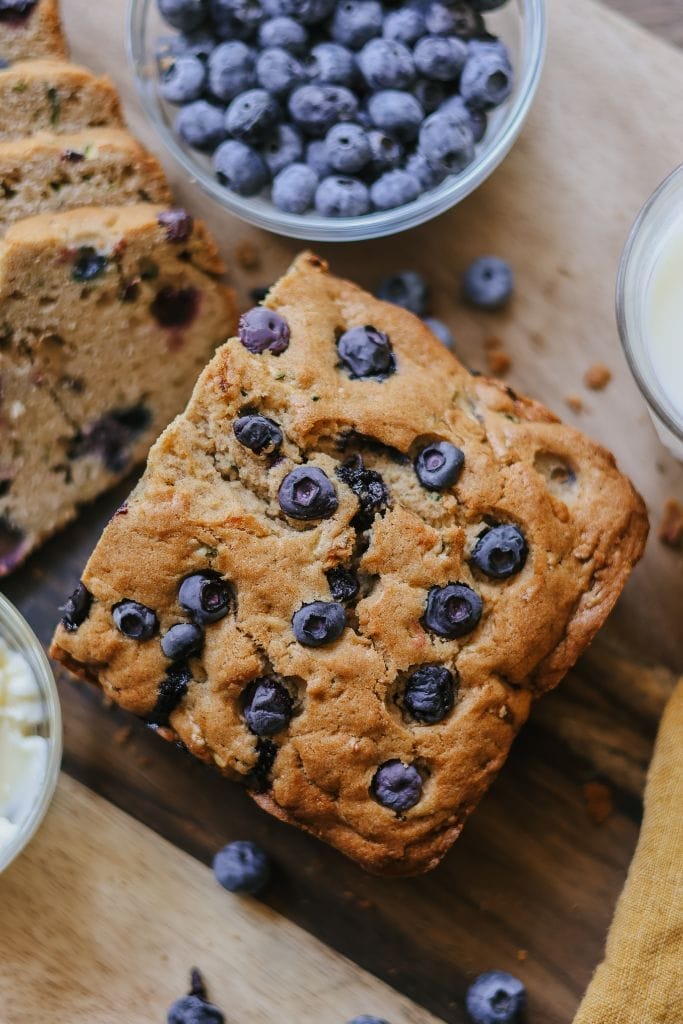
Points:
495	998
331	64
406	24
476	119
283	146
224	23
134	620
446	143
307	493
319	623
430	94
175	307
453	610
263	330
76	609
187	15
487	77
439	465
294	188
258	434
366	352
259	776
251	115
397	113
182	641
367	485
242	867
428	694
394	188
316	158
231	70
279	71
315	108
183	80
201	125
205	596
386	64
441	330
440	57
501	551
249	13
397	786
406	288
453	19
367	1019
338	196
178	224
488	283
196	44
347	148
486	5
386	153
344	585
88	264
16	10
426	174
240	168
356	21
267	707
309	12
193	1009
285	32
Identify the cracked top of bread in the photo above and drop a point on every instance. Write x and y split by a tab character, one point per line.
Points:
471	583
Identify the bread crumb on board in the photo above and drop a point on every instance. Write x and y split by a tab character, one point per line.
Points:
598	798
597	377
247	255
671	527
575	402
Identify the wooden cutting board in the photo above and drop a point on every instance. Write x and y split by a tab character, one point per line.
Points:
531	885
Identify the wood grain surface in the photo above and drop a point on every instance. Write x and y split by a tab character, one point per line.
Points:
531	885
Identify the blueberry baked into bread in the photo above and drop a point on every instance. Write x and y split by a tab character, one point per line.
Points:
30	28
108	315
349	568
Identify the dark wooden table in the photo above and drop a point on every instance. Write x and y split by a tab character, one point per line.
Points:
530	886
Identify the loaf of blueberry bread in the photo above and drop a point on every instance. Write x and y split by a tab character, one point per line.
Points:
50	95
30	28
108	315
46	172
349	568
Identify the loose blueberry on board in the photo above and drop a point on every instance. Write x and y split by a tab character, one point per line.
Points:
501	551
488	283
406	24
134	620
439	465
366	353
76	608
268	706
386	64
195	1008
88	264
452	611
397	786
487	77
251	115
258	433
182	641
175	307
263	330
183	81
319	623
367	485
283	146
342	196
347	148
232	70
331	64
205	596
187	15
178	223
428	694
278	71
395	112
201	125
344	585
242	867
394	188
307	493
285	32
495	998
407	289
446	142
294	188
356	21
441	330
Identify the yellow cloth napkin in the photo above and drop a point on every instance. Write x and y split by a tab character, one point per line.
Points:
640	980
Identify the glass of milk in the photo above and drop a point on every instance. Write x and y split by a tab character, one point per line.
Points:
30	733
650	308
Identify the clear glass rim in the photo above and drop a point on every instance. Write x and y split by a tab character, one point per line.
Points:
650	207
20	636
372	225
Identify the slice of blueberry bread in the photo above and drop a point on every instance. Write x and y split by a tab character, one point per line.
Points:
30	29
348	570
50	95
108	316
60	172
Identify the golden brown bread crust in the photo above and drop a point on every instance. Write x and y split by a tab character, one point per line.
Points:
207	502
40	34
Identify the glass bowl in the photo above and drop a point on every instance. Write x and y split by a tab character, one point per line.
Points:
520	23
18	636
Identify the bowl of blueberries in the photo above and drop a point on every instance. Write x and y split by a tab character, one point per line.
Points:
337	120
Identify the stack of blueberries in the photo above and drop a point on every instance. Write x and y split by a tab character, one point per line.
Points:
344	107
